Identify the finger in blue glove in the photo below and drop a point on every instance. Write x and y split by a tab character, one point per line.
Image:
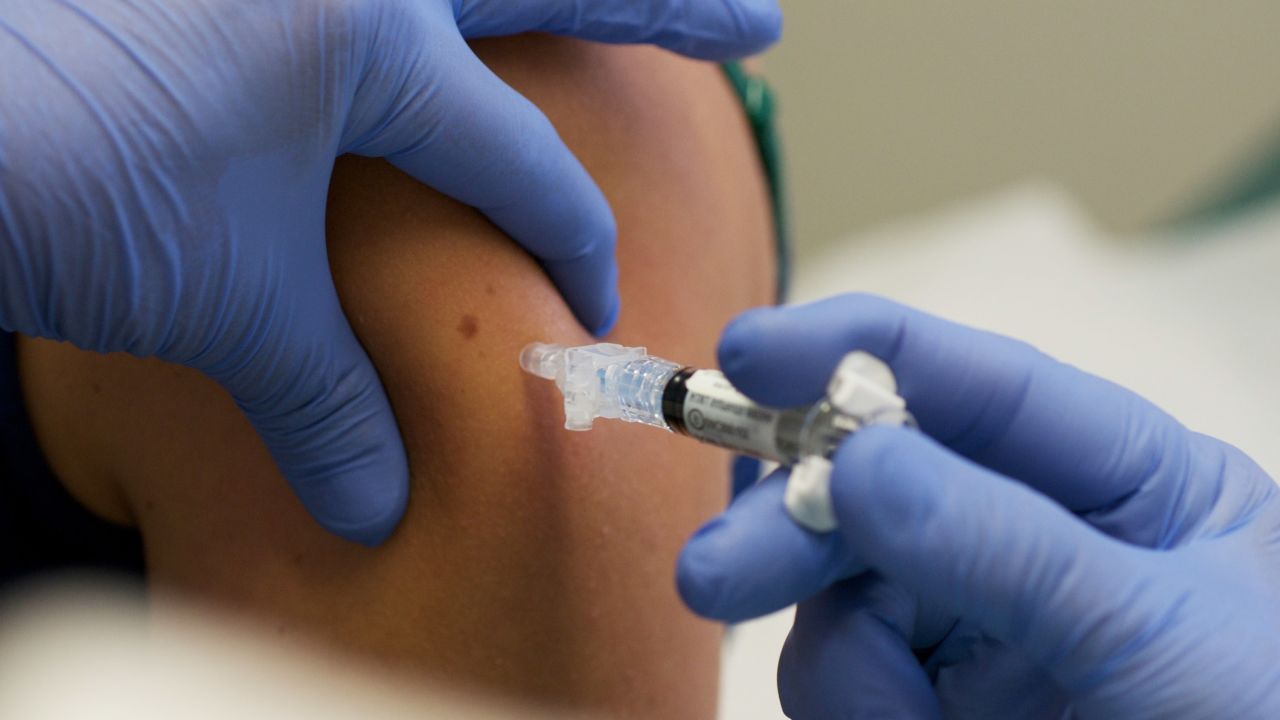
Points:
1129	570
164	169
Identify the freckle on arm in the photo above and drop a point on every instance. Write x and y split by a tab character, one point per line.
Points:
468	326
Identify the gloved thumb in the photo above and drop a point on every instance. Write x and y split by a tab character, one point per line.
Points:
754	559
987	548
316	401
706	30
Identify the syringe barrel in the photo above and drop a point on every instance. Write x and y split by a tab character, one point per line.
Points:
607	380
611	381
703	405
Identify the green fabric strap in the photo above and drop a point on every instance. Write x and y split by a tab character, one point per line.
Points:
760	106
1255	184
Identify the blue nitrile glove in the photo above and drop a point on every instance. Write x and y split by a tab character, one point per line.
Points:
1054	543
164	166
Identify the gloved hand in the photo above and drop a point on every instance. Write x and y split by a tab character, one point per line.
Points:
164	166
1052	543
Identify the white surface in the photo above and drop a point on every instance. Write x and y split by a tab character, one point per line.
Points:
1191	323
86	649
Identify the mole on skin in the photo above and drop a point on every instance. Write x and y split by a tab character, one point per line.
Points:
468	326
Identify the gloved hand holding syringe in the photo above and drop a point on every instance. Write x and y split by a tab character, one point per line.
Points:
607	380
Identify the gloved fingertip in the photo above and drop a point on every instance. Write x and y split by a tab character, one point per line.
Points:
724	31
375	530
340	449
610	319
884	477
589	285
766	355
754	559
766	22
700	576
343	458
749	356
740	337
360	510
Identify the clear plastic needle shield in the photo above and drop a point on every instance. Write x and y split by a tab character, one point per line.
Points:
607	380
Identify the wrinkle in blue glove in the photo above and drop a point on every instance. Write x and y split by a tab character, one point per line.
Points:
164	166
1054	543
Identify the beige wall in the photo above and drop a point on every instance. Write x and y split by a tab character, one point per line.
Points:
892	107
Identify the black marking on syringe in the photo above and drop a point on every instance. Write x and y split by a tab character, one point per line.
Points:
673	396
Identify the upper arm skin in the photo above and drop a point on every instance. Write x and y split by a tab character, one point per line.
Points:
531	560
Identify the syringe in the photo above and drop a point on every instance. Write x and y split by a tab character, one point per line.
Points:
607	380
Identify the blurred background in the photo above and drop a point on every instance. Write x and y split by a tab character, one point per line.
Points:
1143	110
1095	177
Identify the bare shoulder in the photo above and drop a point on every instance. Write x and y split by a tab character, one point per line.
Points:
532	560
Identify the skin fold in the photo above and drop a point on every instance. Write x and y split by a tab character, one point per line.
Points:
532	561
